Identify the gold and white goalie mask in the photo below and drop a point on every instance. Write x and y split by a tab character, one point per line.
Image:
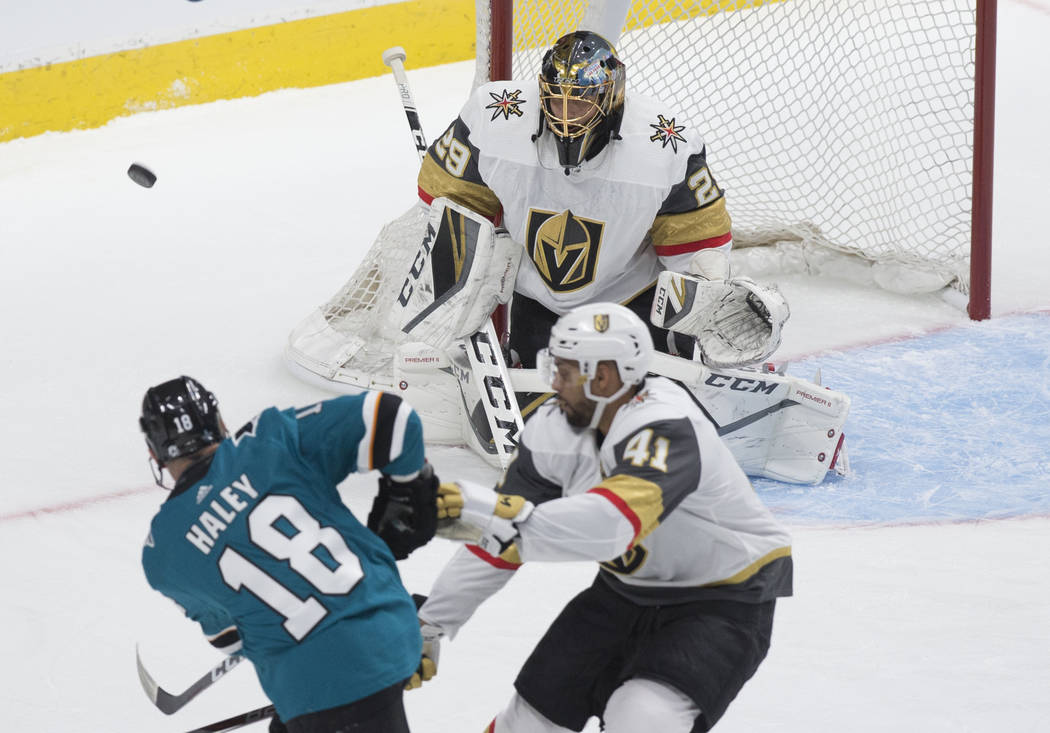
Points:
581	94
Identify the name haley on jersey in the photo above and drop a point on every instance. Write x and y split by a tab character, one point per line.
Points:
203	533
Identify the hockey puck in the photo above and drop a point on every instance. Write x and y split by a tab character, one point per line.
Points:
141	175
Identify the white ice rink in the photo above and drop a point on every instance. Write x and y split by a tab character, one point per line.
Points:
261	210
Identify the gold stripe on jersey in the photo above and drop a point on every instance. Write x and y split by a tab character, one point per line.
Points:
644	499
691	226
753	568
435	181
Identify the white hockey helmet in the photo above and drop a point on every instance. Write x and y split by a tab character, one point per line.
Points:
598	332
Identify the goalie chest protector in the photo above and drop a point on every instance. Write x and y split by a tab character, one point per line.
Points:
585	233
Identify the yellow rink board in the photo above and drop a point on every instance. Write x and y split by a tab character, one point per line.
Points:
312	52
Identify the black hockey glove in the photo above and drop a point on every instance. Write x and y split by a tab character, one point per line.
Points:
404	514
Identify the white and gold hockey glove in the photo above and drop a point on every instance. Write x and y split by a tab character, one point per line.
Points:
428	662
735	322
477	514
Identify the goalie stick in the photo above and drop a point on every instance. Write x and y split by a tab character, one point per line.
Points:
395	58
482	350
168	703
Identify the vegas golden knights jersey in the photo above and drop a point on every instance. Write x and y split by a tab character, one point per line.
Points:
660	503
645	203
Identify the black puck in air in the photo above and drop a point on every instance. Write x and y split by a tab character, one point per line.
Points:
141	175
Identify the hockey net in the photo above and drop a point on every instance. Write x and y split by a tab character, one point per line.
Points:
835	126
843	132
354	340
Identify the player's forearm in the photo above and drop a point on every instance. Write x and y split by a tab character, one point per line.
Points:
465	583
582	527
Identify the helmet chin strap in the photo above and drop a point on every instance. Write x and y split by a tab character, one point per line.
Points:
602	402
158	474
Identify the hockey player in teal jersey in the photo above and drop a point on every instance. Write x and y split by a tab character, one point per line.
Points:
255	544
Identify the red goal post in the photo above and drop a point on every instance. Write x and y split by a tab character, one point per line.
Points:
837	127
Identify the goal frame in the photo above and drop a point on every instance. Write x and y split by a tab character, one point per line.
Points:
979	303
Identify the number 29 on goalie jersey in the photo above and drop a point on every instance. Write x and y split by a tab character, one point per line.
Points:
260	539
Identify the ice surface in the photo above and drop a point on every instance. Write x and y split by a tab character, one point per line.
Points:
260	211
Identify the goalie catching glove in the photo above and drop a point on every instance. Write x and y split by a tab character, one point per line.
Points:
404	513
471	512
735	322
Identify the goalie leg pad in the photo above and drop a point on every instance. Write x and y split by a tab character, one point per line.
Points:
777	426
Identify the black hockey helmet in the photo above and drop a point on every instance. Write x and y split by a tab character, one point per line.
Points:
179	417
581	94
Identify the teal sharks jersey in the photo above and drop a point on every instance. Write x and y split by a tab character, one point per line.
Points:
259	539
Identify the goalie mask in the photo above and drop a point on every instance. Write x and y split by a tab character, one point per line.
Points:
179	418
597	332
581	95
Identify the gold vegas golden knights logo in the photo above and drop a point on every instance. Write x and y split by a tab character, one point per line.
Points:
564	247
601	323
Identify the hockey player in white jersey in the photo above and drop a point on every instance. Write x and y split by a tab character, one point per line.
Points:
603	190
624	469
609	197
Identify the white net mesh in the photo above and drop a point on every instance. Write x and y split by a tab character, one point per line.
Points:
363	305
355	332
846	124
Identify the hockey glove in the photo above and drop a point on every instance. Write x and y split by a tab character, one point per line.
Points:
428	663
404	512
468	511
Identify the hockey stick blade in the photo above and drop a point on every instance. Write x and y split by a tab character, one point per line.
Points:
168	703
238	721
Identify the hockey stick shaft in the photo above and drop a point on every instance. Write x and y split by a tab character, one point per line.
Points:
395	59
169	703
483	348
238	721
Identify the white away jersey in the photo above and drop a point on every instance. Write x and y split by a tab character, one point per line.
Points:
661	504
645	203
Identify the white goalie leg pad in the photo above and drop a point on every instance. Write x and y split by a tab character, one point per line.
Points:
735	322
463	269
424	377
778	426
